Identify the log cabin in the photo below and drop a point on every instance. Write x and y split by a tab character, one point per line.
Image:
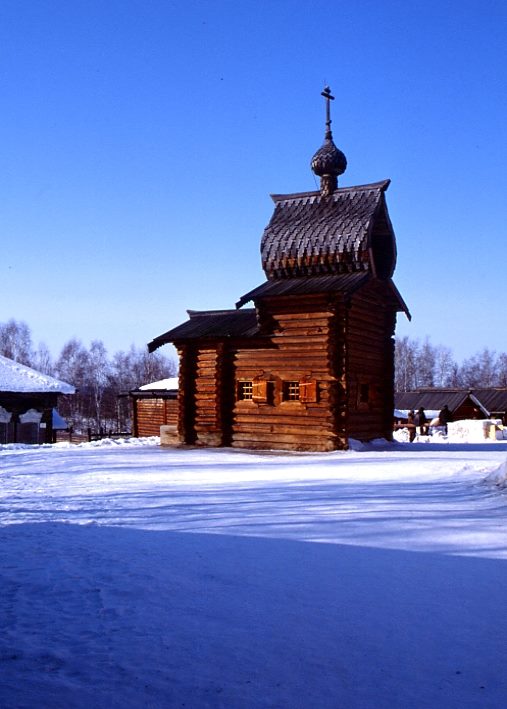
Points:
310	364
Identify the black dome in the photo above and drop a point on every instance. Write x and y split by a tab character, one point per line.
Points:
329	160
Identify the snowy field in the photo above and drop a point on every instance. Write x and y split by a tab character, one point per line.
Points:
134	576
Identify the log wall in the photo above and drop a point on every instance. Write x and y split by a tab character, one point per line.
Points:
342	353
299	349
211	423
151	413
370	367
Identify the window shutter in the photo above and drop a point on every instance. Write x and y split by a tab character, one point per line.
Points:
260	391
308	391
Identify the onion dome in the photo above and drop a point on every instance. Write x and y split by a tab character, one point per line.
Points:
328	162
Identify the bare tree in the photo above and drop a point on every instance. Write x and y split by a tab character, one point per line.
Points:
445	367
426	364
16	341
405	364
42	360
502	370
72	366
98	377
137	366
480	370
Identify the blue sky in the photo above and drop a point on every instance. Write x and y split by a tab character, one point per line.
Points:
141	141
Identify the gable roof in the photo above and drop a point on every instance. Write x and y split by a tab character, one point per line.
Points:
492	400
314	234
211	323
431	399
17	378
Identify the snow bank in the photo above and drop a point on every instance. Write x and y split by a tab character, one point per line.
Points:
498	477
374	444
402	435
473	430
102	443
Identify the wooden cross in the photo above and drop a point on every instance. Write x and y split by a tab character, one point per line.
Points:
327	95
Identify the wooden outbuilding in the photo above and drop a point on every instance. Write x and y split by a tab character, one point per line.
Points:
311	364
154	405
28	401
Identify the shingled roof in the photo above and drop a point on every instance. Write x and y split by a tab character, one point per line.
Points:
431	399
491	401
346	283
211	323
311	233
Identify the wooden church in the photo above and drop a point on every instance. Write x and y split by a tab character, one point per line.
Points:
311	364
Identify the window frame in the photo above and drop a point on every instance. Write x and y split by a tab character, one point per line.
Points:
291	391
244	390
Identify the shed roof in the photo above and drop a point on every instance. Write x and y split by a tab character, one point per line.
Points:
312	234
211	323
345	283
306	285
17	378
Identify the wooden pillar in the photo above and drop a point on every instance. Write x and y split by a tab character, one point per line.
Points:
47	419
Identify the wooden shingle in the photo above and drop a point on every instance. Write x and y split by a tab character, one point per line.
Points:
313	234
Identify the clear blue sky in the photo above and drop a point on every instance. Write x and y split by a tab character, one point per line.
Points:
141	140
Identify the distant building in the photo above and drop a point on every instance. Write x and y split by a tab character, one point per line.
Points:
311	364
28	401
154	405
484	403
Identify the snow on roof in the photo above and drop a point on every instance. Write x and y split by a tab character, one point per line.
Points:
168	384
18	378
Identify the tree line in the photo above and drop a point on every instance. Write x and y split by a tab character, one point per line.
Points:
99	378
421	364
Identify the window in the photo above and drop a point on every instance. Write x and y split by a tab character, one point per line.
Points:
291	391
255	390
245	391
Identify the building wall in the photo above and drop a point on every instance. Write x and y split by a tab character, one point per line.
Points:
151	413
339	356
370	367
203	418
299	351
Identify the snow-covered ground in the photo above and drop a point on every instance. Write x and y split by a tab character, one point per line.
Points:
135	576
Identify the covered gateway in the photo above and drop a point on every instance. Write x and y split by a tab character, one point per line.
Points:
28	400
